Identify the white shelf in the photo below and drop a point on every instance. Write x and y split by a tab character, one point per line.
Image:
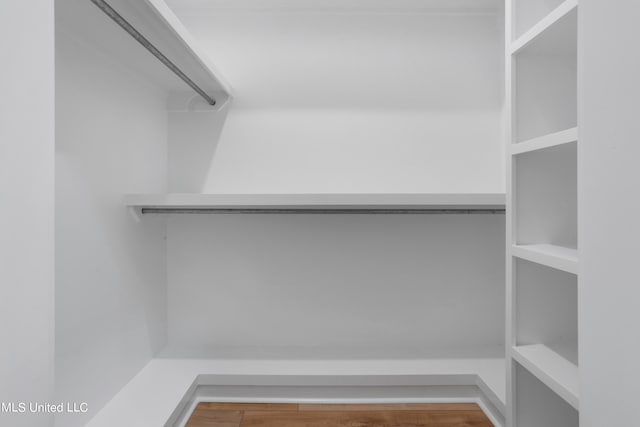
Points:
553	370
552	140
156	395
323	201
558	257
546	26
158	24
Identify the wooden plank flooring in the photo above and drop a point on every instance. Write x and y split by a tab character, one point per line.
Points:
307	415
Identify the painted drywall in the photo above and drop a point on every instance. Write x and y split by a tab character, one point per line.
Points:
336	286
111	139
27	197
355	100
342	100
609	233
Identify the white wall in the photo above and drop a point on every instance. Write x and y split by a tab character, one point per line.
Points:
609	233
345	286
111	139
26	210
340	100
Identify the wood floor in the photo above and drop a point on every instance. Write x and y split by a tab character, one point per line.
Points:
303	415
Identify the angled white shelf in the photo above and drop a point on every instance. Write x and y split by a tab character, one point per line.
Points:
553	370
159	25
547	141
194	203
558	257
556	27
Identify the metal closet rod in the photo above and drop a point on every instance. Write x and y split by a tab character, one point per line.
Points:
125	25
385	211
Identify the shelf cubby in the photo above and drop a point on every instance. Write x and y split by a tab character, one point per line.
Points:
537	405
553	370
534	17
546	80
546	197
546	308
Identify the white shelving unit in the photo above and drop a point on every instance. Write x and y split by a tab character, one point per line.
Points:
542	255
547	29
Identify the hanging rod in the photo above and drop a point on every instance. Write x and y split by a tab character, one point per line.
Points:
125	25
385	211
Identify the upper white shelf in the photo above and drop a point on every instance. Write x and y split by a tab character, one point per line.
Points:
556	372
558	257
160	26
165	203
555	32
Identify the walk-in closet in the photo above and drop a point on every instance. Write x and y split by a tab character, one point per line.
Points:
340	203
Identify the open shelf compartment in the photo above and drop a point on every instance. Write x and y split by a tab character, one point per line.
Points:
534	17
537	405
556	372
546	201
546	308
546	80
